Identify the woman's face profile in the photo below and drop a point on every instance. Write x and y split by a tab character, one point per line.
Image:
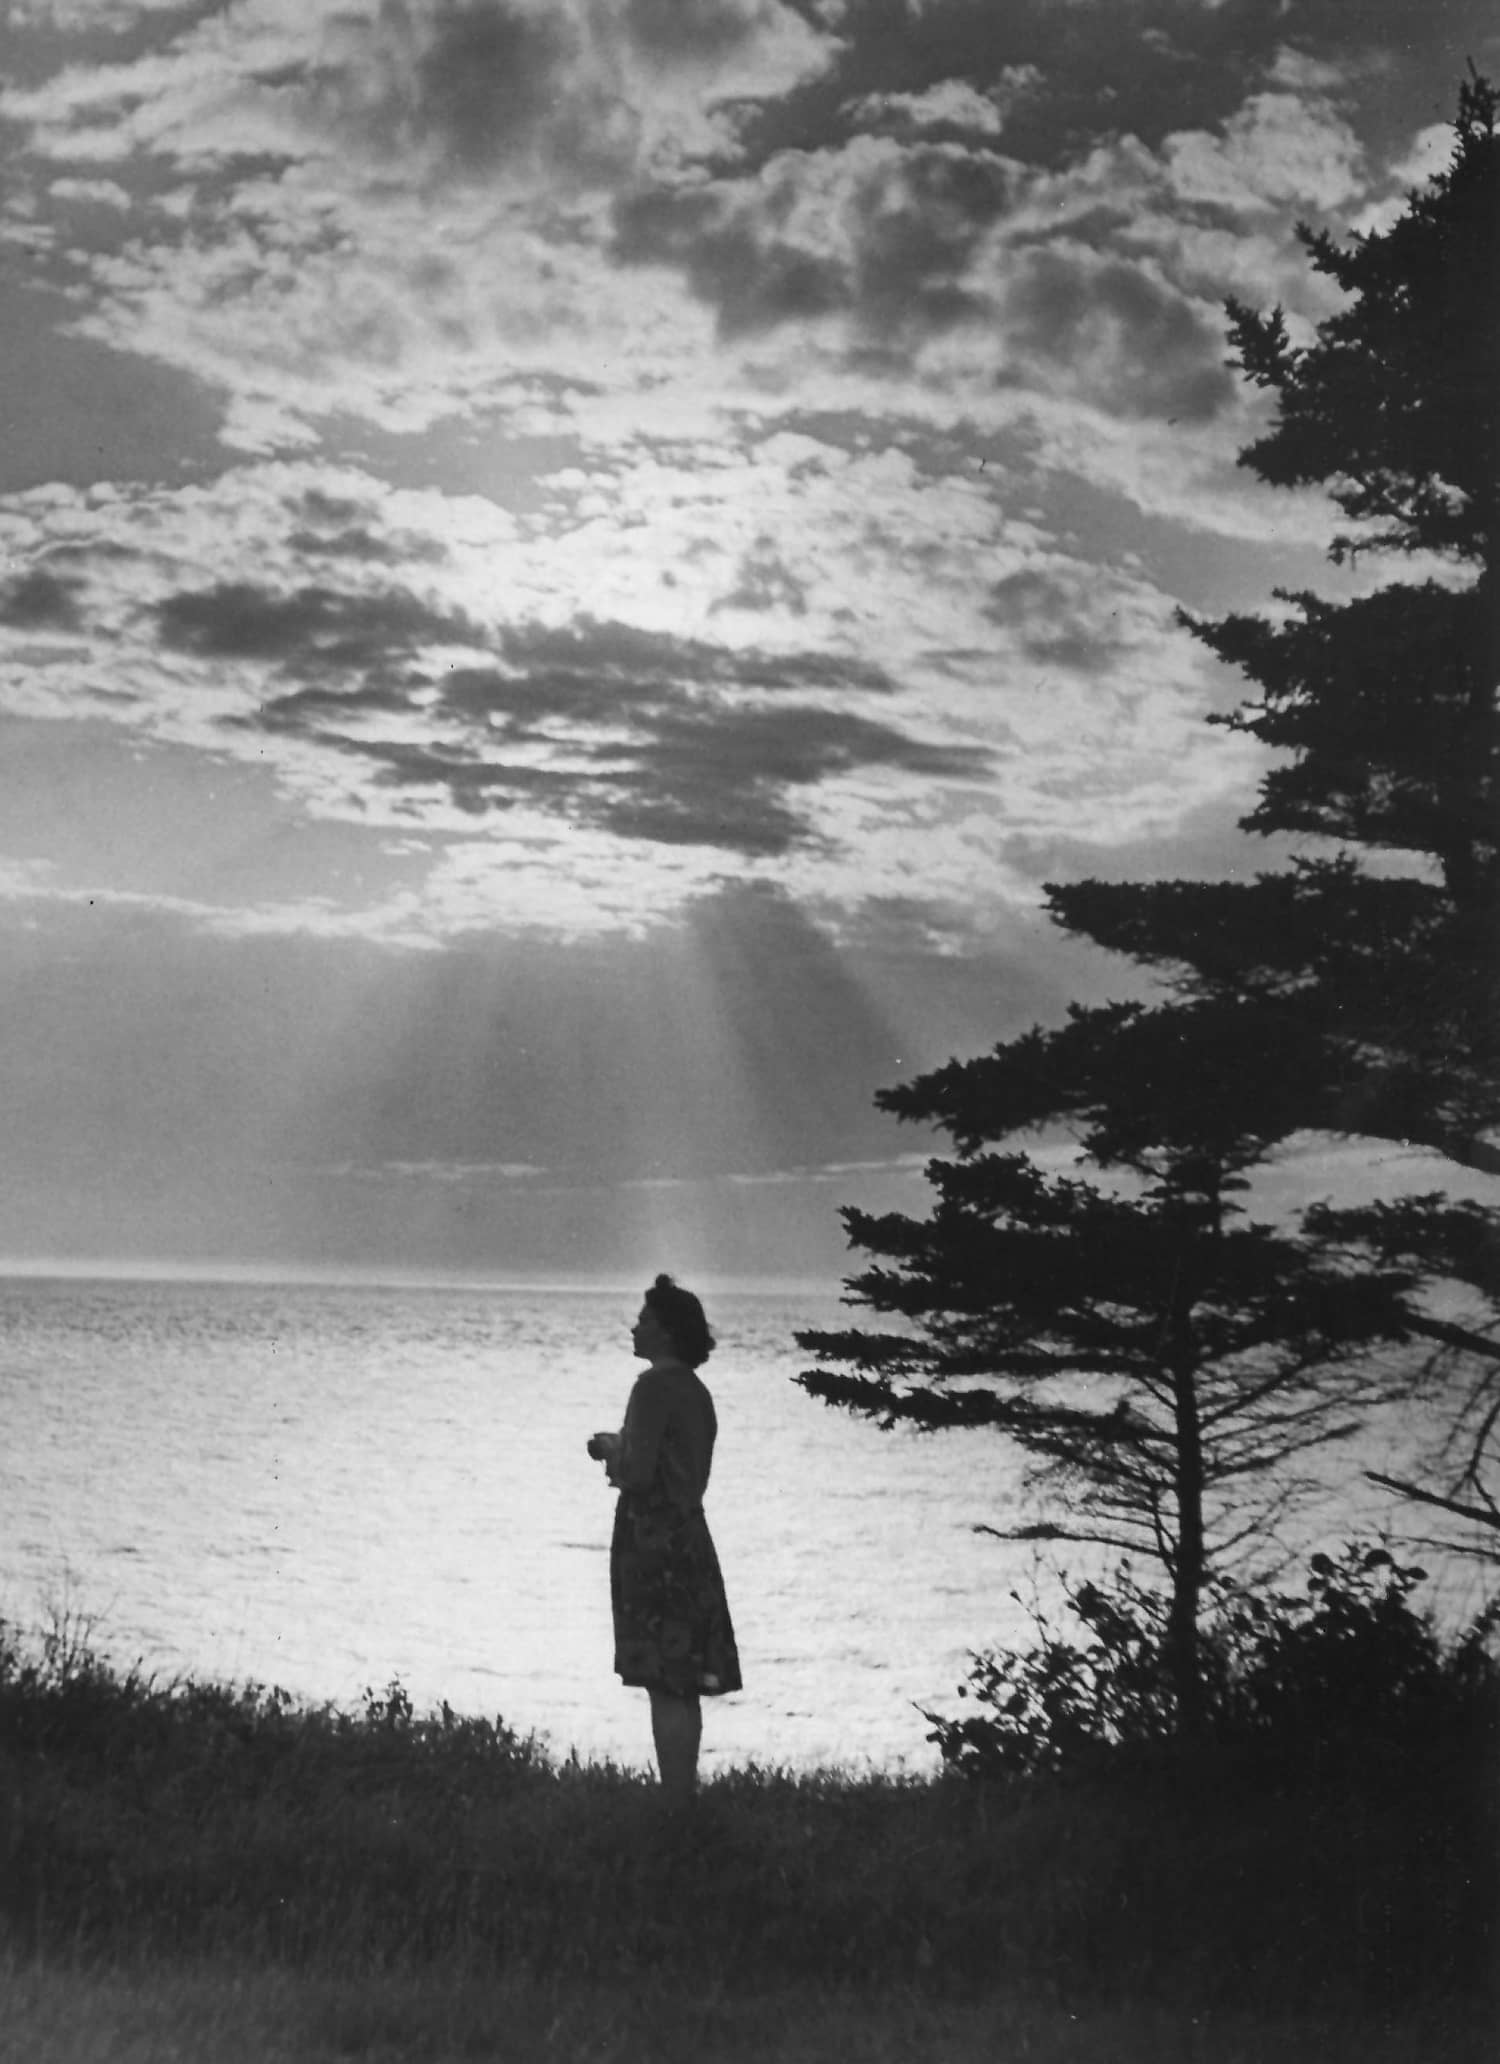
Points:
650	1338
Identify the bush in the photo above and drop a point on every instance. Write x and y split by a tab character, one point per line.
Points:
1350	1672
66	1708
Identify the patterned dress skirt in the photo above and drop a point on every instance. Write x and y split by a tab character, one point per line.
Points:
672	1626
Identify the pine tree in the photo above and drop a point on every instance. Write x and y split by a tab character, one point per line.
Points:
1386	953
1162	1359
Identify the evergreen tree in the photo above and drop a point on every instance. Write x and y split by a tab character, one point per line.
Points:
1386	965
1160	1358
1382	953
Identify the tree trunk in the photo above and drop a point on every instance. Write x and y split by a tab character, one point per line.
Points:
1187	1569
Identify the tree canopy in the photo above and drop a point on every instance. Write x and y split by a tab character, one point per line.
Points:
1105	1299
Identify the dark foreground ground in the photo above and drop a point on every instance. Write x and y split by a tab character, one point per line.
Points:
192	1872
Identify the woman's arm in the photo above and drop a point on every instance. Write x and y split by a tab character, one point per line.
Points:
633	1462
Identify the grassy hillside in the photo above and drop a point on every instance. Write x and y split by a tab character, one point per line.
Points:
208	1863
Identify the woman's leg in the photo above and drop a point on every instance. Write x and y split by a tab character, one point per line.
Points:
677	1729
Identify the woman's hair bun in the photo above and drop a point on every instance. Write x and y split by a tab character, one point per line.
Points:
680	1314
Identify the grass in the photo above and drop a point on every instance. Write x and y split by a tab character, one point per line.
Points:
228	2014
203	1871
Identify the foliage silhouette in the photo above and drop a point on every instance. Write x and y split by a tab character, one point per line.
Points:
1350	1674
1163	1360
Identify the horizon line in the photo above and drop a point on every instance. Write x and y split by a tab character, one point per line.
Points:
374	1275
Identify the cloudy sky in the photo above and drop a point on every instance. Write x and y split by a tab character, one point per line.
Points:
569	567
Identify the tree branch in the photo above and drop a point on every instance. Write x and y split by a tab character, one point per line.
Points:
1461	1337
1478	1514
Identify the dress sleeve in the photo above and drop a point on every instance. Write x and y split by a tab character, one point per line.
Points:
634	1463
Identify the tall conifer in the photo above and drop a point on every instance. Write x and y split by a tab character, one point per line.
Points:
1161	1359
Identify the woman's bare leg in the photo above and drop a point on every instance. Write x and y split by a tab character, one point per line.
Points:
677	1729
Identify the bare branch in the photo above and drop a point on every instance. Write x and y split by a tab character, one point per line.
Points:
1480	1515
1461	1337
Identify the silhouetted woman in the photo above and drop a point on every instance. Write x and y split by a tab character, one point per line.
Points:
673	1635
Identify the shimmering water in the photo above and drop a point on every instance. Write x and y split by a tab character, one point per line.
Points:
328	1487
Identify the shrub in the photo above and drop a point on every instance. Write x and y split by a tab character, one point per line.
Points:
1351	1670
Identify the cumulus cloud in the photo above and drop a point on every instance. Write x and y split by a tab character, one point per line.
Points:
1430	152
1110	333
96	193
472	86
386	212
720	307
306	259
1279	149
578	218
964	280
580	92
878	234
1064	615
954	104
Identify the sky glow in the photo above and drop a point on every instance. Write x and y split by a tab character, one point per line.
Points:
568	571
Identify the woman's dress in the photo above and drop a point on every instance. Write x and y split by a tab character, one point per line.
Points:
672	1627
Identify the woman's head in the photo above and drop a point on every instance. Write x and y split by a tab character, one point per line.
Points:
680	1316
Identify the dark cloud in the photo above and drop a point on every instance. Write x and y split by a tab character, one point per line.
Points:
529	700
1127	341
473	783
919	227
717	775
751	275
313	630
488	77
846	206
363	546
479	86
671	740
703	773
792	745
330	511
755	823
310	710
39	601
912	220
621	653
340	527
475	86
766	582
673	30
1052	617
